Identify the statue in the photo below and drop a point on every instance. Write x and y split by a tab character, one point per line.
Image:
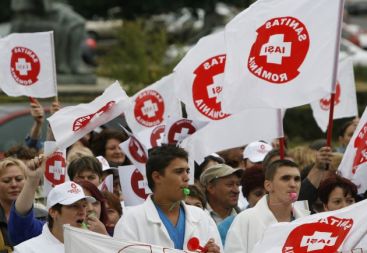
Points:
69	34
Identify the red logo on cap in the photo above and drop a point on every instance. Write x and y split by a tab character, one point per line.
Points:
55	168
137	151
279	50
24	66
157	136
138	184
207	87
180	130
149	108
360	144
83	121
325	102
324	236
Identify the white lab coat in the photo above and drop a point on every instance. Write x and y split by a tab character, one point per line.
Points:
142	224
249	226
45	242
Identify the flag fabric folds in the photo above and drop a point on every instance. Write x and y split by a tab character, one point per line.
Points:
273	50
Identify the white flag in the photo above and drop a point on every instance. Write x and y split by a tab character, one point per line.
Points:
279	55
55	166
354	163
199	78
107	184
27	65
342	230
345	104
178	129
151	137
237	130
84	241
73	122
151	106
133	185
136	152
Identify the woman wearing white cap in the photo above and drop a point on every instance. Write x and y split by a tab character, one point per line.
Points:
67	204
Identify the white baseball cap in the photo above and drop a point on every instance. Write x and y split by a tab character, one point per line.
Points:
66	194
105	164
256	151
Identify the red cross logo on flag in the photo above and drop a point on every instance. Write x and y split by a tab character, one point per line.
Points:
24	65
325	102
149	108
156	136
137	151
324	236
139	185
55	169
180	130
83	121
360	144
280	48
207	87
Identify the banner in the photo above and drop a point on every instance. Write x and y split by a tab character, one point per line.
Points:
199	78
279	55
55	167
78	240
27	65
152	137
151	106
136	152
134	185
71	123
345	104
342	230
354	163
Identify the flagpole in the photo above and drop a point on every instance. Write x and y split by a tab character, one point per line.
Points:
281	134
54	64
335	69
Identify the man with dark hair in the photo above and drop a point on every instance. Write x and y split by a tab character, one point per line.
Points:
66	204
282	182
164	219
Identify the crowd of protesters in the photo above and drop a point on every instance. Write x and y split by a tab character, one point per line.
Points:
237	193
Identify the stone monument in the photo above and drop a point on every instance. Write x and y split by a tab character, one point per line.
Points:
69	34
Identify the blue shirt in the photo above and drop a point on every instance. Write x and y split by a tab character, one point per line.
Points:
22	228
223	228
176	233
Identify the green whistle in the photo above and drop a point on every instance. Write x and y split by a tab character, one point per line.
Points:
186	191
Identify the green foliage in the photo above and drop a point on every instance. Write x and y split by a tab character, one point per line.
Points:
138	58
4	10
360	73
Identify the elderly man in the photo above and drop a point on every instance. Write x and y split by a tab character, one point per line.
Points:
221	183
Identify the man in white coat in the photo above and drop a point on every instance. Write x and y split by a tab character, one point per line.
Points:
282	182
164	219
66	204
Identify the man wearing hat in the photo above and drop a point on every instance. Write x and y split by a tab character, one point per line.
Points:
66	204
254	153
221	183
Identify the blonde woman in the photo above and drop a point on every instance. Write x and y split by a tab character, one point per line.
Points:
12	178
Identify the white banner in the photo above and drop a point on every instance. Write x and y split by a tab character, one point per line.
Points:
199	78
73	122
342	230
279	55
27	65
153	105
134	185
152	137
354	163
78	240
237	130
345	104
55	170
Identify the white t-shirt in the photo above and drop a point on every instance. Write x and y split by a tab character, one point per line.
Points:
44	243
